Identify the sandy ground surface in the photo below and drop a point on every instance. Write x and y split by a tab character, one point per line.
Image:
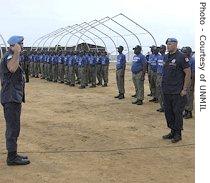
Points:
87	136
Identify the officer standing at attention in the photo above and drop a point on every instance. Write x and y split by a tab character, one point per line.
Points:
153	67
72	63
98	68
25	64
12	95
104	68
92	62
162	51
120	73
175	83
138	69
187	51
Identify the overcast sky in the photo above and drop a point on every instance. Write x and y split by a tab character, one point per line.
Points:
34	18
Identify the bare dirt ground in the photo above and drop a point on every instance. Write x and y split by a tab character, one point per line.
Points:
87	136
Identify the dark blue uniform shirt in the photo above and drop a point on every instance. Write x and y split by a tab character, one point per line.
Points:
173	74
12	84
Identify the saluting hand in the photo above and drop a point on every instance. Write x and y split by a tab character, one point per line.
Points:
16	48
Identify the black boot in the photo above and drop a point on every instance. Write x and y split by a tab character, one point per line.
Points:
82	87
188	115
153	100
117	96
104	85
160	110
135	102
138	102
185	113
93	86
99	83
177	136
134	96
169	136
14	159
121	96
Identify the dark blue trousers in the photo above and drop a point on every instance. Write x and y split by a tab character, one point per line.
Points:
174	106
12	112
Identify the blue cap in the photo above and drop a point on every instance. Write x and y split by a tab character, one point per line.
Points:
137	47
171	40
15	39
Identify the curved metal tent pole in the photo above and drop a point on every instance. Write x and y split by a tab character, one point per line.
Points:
81	34
72	36
59	34
43	37
62	31
140	27
66	30
103	34
85	36
86	30
1	52
102	23
112	19
66	34
5	45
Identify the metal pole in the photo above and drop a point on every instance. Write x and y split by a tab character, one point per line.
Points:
58	35
87	30
62	31
75	33
102	23
5	44
140	27
80	33
126	29
104	34
69	32
65	35
43	37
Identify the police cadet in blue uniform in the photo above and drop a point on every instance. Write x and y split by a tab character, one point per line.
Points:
162	51
12	95
72	65
98	68
187	51
138	69
25	64
149	57
120	73
104	68
175	82
92	62
153	66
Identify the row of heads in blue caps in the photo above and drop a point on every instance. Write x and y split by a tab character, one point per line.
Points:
19	40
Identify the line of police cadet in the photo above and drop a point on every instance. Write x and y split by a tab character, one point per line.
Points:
69	67
152	64
171	79
83	68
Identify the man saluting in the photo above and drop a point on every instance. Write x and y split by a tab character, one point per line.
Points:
12	95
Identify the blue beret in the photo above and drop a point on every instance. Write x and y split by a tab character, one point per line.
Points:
15	39
171	40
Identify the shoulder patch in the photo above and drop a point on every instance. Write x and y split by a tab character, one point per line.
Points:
9	56
173	61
